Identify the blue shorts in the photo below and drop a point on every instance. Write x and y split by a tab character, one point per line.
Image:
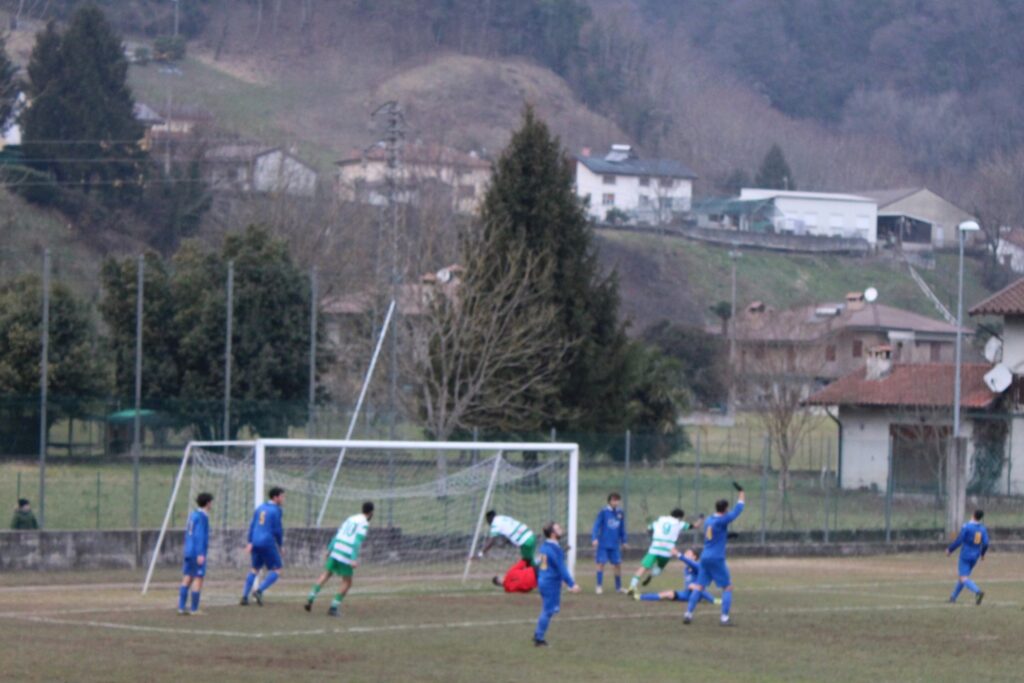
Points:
266	557
713	570
190	567
551	599
966	566
609	555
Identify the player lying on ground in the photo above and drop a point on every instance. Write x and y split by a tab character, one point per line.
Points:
266	540
664	534
712	558
609	539
343	558
552	573
517	533
197	543
973	544
690	571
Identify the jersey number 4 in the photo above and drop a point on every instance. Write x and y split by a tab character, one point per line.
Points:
710	533
263	517
977	538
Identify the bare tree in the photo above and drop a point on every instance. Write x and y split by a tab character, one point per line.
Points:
485	351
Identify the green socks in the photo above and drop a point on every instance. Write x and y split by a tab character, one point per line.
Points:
315	591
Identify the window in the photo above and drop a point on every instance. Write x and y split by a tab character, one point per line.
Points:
858	348
645	181
830	353
666	182
665	203
608	199
645	201
608	179
936	352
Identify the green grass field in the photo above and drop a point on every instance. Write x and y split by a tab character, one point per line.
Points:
863	619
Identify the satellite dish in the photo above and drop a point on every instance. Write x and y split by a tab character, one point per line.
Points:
444	276
870	295
993	349
999	379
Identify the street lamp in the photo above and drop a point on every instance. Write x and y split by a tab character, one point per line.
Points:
956	492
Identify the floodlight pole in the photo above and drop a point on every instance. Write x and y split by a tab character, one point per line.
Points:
44	369
955	462
227	349
140	274
734	255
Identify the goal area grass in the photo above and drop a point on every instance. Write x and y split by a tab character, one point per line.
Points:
881	618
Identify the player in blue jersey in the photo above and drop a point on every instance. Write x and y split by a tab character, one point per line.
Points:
197	543
609	539
266	539
691	570
551	573
973	544
712	558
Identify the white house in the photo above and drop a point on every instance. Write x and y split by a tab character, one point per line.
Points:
647	191
819	213
254	168
1010	249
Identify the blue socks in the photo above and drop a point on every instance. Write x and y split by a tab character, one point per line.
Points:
726	602
618	583
249	581
600	578
708	596
182	597
652	597
971	586
692	603
195	600
268	582
956	591
542	624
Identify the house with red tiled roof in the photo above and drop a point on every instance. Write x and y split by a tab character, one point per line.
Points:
899	416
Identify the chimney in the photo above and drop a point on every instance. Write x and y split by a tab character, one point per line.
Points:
855	301
879	362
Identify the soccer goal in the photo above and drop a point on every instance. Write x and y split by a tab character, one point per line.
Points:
430	499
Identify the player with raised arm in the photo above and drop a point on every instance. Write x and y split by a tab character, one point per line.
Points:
517	533
712	558
609	539
552	573
690	571
197	544
664	535
266	539
343	558
973	544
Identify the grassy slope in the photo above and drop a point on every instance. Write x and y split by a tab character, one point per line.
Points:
681	278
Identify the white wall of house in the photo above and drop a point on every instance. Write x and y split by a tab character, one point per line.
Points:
819	213
630	193
1011	255
469	183
865	444
1013	344
276	171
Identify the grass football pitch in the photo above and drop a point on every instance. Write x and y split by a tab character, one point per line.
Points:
858	619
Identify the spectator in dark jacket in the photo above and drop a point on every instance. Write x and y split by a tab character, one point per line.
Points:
23	518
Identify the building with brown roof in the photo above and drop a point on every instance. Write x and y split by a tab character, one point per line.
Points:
901	415
461	177
820	343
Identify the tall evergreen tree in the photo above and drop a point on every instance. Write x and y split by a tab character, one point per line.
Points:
531	201
81	128
774	173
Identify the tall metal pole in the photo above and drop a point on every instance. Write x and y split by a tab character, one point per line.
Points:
230	303
140	284
313	299
176	4
959	326
954	460
44	369
733	255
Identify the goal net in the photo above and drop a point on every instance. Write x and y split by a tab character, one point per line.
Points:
430	499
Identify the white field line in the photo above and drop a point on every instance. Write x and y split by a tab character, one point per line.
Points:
467	624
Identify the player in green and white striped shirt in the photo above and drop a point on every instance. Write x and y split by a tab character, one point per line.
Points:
664	535
342	558
517	533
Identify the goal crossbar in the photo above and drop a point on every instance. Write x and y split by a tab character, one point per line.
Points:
259	447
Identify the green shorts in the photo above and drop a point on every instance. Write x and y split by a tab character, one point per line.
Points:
338	568
650	560
528	550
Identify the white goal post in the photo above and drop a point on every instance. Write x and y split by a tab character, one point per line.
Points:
430	498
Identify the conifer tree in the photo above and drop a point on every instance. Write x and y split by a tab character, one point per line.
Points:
774	173
531	201
80	127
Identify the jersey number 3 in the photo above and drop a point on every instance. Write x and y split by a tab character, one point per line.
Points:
263	517
977	538
710	533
